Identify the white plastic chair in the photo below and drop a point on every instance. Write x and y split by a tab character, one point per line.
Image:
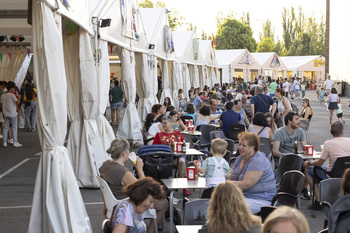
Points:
111	201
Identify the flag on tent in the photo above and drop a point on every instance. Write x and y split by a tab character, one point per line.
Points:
10	55
7	40
28	52
19	54
213	42
17	39
0	57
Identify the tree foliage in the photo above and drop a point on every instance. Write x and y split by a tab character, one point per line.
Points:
204	35
266	45
268	31
233	34
191	27
146	4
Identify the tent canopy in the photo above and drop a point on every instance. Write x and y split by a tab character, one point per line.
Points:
304	63
155	21
268	60
184	42
233	57
208	53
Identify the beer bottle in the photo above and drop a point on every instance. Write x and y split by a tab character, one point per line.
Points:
167	142
173	144
295	147
184	146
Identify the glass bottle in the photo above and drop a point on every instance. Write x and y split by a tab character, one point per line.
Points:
295	147
184	146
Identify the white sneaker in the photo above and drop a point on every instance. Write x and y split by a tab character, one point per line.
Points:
10	141
1	136
5	144
16	144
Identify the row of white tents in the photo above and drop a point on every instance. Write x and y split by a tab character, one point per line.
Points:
71	68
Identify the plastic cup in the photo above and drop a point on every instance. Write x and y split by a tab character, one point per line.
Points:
187	146
321	148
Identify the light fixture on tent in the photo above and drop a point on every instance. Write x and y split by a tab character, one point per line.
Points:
2	38
105	23
151	46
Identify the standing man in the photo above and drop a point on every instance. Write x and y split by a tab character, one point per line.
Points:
297	88
273	87
261	103
8	104
286	86
328	84
116	97
335	148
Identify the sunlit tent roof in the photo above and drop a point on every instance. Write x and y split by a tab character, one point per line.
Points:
208	53
304	63
116	33
185	47
155	22
237	58
270	61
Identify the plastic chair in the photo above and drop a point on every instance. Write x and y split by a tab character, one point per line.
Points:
234	130
216	134
106	226
339	167
265	211
265	146
230	145
290	189
339	215
329	193
323	231
196	212
204	139
287	163
184	118
207	192
110	201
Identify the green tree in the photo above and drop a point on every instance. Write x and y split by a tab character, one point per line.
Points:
288	24
266	45
301	46
146	4
220	17
279	48
192	28
233	34
268	31
204	36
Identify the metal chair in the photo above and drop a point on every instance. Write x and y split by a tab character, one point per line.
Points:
106	226
289	189
234	130
204	139
230	145
339	167
216	134
265	146
329	193
110	201
189	139
184	118
207	192
265	211
287	163
196	212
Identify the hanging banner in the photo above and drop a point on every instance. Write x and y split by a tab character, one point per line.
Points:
246	59
19	54
318	63
130	17
0	57
10	55
195	48
275	61
17	39
28	52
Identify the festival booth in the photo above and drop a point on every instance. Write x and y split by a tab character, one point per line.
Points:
211	64
271	65
188	59
161	51
236	63
310	67
125	33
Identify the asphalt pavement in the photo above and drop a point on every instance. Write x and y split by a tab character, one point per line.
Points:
18	169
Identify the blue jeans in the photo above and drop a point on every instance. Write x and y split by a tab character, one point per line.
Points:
31	109
320	173
13	122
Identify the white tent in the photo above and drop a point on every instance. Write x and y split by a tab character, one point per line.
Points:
229	61
300	64
188	58
159	37
210	61
271	64
57	202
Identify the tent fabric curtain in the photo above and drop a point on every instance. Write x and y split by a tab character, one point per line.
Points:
186	76
196	77
57	203
105	129
154	79
175	95
91	154
180	81
144	86
165	80
22	71
10	62
130	126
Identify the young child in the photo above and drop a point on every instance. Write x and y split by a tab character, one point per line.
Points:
303	86
215	168
322	94
340	113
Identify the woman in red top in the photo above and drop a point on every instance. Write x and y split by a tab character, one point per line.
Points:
166	136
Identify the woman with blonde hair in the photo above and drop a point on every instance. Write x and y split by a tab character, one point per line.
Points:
286	219
228	212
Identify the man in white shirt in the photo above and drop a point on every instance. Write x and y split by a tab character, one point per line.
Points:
8	102
328	84
297	88
286	86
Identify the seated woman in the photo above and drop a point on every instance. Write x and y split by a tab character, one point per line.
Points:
178	125
239	109
286	219
167	102
270	121
204	117
127	215
156	126
306	113
252	172
117	176
261	127
158	109
228	212
229	117
190	111
165	137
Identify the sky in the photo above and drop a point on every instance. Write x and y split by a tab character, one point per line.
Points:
202	13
